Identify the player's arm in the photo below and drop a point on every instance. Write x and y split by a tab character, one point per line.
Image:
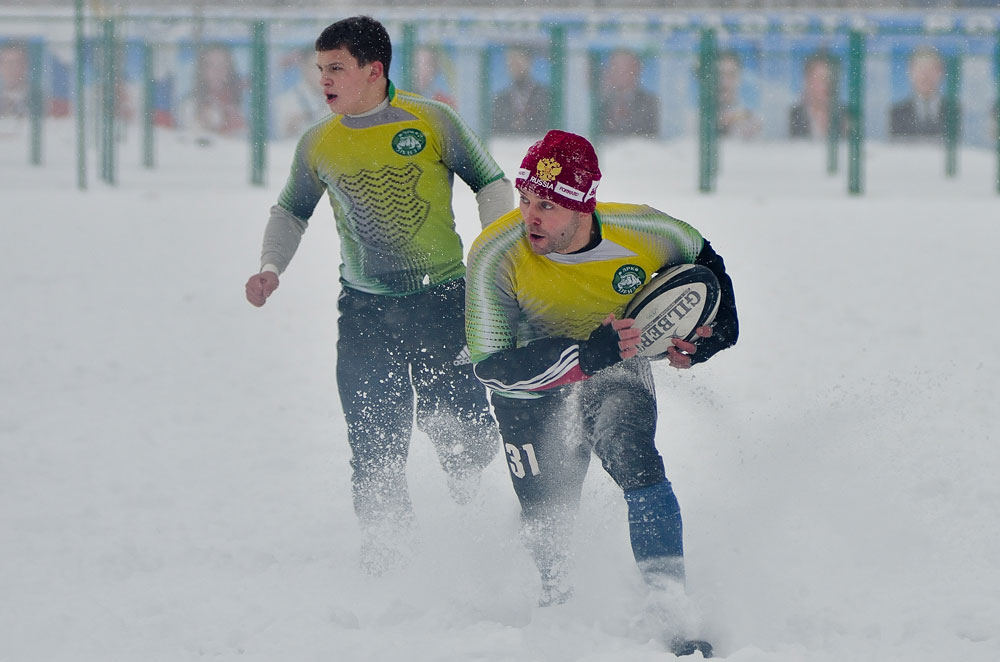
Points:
288	221
725	330
552	362
467	156
494	200
492	315
680	243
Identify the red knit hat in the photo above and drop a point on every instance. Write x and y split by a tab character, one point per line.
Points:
562	168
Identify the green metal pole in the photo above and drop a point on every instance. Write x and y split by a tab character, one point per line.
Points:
714	142
707	110
996	106
836	121
951	118
855	111
148	105
110	77
486	108
81	124
258	103
596	102
36	111
406	77
559	63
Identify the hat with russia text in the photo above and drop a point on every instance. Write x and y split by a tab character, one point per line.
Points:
562	168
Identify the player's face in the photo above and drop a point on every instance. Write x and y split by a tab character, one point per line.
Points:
348	86
552	228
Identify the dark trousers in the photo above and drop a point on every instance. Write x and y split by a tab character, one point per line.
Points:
549	441
396	355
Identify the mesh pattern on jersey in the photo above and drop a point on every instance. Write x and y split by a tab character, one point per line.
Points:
654	224
487	325
481	169
383	205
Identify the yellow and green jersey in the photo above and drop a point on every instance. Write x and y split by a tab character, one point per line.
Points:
515	298
389	178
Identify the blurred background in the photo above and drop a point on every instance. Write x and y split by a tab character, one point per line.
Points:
525	4
122	82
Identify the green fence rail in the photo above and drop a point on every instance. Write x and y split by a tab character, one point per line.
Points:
569	45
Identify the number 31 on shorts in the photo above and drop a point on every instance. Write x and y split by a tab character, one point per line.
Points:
516	457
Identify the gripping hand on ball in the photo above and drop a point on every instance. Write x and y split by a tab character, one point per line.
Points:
613	341
679	355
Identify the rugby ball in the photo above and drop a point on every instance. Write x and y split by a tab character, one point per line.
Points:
673	304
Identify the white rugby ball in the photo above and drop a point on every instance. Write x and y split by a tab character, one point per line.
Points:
673	304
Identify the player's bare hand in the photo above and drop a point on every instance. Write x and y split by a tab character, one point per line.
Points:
679	355
260	286
628	335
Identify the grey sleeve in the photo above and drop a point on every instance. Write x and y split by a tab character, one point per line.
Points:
495	199
296	203
281	237
462	150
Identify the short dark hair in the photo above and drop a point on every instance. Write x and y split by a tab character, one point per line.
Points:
364	38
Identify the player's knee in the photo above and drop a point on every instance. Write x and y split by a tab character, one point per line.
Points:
632	471
626	414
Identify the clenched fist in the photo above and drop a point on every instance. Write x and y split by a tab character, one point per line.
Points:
260	286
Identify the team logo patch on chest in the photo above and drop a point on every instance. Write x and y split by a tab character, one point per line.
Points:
409	142
628	278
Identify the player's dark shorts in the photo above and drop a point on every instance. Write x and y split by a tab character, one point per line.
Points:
400	354
549	440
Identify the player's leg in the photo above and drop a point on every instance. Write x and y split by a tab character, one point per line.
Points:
620	406
547	459
621	418
452	408
377	400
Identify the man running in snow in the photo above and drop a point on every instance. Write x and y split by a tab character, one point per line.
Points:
546	287
386	158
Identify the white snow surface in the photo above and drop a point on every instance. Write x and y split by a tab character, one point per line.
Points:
174	479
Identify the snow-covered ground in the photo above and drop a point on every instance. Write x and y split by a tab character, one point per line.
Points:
173	465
